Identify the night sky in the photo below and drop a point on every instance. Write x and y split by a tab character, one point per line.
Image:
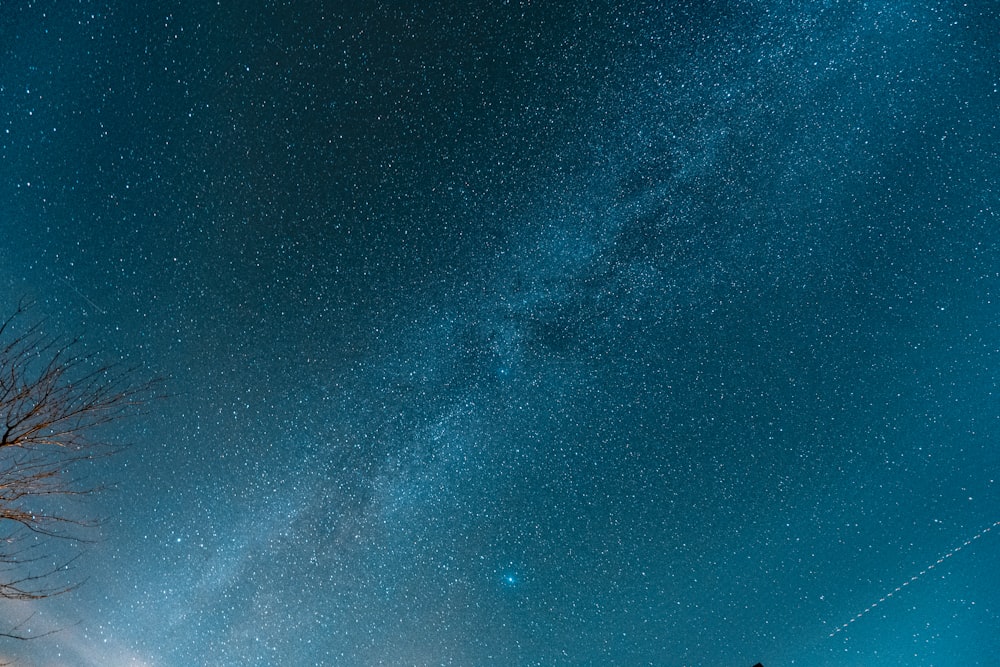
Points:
510	333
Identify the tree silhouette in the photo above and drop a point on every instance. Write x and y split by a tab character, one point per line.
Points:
53	400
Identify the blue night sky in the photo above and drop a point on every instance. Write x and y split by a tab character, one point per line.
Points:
510	333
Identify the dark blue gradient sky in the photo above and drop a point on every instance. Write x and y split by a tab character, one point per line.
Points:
520	334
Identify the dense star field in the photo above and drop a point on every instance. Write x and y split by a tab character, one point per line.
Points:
508	333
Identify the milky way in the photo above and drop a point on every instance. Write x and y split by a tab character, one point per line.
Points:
649	334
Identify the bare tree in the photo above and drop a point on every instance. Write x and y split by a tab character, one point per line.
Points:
53	400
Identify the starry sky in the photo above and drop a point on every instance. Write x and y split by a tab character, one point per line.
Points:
521	333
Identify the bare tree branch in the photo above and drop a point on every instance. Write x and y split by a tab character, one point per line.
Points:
54	399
